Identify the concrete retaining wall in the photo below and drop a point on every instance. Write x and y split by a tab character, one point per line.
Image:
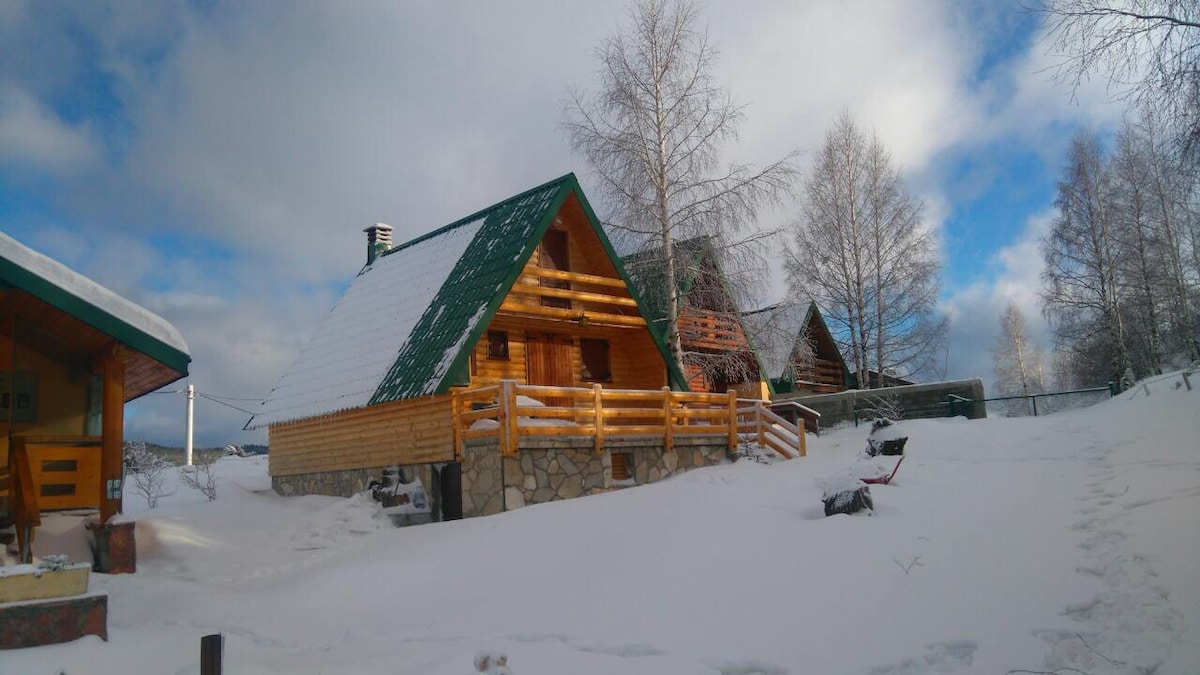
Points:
916	401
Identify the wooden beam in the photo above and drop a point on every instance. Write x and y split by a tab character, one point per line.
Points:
733	420
599	318
112	432
578	277
598	404
582	296
668	436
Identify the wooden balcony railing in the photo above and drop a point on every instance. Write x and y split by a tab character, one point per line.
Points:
498	411
606	301
705	329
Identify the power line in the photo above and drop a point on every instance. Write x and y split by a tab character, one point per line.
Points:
203	395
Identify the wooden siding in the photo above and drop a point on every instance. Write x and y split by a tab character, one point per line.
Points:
402	432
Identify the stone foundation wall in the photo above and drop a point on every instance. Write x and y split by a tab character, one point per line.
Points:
345	483
549	469
482	494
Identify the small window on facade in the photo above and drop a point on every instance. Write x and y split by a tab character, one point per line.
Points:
622	467
497	344
597	367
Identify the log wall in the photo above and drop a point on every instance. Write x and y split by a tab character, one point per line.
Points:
414	431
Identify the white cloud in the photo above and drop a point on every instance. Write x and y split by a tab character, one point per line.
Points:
975	310
273	134
32	135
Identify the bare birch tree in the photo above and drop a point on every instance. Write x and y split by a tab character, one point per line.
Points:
653	134
1017	361
1081	298
862	252
1148	49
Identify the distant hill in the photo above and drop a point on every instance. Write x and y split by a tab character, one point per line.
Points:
174	454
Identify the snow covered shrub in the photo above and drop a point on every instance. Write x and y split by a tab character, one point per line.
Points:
200	478
148	471
882	407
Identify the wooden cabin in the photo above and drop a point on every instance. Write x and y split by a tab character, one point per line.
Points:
798	350
501	360
72	353
717	354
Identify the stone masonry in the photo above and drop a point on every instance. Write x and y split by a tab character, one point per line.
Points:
344	483
548	469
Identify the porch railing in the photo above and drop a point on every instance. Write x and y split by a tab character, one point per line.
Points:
51	472
770	430
509	410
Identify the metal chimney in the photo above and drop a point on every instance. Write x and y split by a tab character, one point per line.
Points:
379	240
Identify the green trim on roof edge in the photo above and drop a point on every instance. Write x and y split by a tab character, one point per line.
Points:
84	311
458	366
570	185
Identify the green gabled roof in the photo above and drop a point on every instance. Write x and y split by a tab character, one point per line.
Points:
476	287
407	325
473	291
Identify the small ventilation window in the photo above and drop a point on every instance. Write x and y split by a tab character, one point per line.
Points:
497	345
622	467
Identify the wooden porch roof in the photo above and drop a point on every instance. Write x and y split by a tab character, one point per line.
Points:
67	317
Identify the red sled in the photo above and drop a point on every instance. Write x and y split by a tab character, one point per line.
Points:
884	480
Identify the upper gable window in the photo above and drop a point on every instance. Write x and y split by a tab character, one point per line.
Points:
497	347
597	365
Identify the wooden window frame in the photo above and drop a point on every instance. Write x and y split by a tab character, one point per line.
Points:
497	345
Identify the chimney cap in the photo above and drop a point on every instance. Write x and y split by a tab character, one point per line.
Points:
378	226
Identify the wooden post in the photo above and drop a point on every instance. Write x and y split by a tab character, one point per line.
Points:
758	424
733	420
456	423
668	422
212	650
800	435
598	404
112	434
509	429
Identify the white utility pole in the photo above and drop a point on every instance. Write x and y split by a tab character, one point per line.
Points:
187	446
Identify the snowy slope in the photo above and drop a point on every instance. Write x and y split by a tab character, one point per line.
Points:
1067	541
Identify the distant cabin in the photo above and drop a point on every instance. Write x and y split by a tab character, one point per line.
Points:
718	355
502	360
797	349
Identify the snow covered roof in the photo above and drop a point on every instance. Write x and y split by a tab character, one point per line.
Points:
775	330
61	287
405	326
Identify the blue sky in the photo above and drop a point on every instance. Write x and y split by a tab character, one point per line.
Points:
217	161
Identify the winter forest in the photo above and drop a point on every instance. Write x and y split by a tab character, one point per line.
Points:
1122	260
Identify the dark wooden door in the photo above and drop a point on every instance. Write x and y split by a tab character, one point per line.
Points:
548	362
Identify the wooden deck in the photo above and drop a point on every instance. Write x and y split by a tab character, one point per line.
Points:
510	410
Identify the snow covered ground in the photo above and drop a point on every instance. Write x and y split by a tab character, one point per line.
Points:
1062	542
